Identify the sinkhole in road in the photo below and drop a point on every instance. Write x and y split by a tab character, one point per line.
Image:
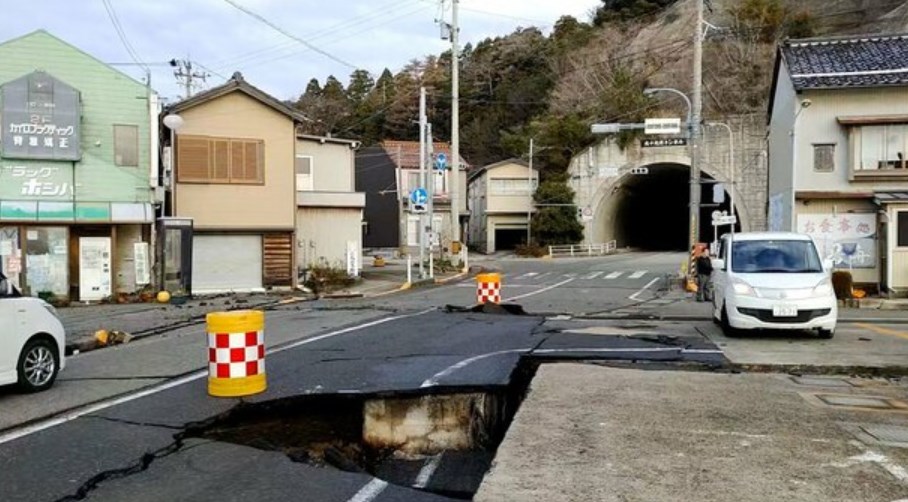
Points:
440	440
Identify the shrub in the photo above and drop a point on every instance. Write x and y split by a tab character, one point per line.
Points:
531	250
324	278
842	283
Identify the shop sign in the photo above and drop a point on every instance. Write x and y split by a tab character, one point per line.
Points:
48	182
40	119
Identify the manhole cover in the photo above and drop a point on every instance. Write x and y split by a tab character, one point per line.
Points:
887	433
856	401
821	382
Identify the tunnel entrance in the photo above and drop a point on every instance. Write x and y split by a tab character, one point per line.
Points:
651	211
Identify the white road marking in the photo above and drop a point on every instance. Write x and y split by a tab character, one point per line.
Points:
593	275
70	415
614	275
529	274
540	276
571	275
369	492
636	296
638	274
897	471
425	474
434	380
543	290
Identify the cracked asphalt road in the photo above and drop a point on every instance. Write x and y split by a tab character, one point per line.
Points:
120	418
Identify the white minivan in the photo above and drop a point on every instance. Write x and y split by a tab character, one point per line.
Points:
773	280
32	340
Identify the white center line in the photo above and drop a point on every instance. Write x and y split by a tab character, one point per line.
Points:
369	492
72	414
425	474
614	275
593	275
636	296
543	290
638	274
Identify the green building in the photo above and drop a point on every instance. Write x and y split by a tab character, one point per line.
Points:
78	172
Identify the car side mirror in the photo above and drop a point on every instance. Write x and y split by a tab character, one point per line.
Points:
718	264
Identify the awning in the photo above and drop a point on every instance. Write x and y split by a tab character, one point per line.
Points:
819	195
881	198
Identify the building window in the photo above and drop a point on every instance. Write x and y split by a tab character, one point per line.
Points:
902	236
220	160
883	147
824	158
510	186
410	180
126	145
304	178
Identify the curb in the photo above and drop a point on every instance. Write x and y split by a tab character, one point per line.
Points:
808	369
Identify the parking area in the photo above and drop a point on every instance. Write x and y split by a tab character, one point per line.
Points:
859	346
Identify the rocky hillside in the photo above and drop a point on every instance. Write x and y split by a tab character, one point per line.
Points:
551	86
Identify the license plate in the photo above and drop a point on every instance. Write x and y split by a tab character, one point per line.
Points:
785	311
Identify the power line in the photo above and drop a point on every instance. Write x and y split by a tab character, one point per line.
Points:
381	11
121	34
290	35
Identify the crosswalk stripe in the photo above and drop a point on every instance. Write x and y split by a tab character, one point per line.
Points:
638	274
614	275
593	275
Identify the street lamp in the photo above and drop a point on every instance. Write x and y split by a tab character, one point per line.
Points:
173	122
693	134
731	162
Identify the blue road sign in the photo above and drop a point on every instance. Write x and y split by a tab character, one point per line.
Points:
441	162
419	196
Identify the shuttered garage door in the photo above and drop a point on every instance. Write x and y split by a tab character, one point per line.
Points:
226	263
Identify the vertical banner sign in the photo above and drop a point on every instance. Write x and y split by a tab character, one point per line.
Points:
40	119
143	274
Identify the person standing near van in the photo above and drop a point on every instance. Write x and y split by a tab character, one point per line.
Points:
704	272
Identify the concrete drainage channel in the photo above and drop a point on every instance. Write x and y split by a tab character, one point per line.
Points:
441	441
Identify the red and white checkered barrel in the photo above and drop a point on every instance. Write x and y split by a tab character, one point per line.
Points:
236	353
488	288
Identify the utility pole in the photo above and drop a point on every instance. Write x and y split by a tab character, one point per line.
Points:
430	188
186	75
695	132
455	122
422	179
530	196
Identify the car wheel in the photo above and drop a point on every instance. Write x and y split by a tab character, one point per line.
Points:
38	365
827	334
726	325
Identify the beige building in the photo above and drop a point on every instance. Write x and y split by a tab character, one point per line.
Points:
329	210
837	152
501	205
234	176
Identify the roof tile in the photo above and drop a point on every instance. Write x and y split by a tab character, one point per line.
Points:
833	63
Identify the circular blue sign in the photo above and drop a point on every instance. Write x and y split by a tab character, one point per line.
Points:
441	161
419	196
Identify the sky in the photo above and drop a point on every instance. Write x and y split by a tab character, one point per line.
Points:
221	39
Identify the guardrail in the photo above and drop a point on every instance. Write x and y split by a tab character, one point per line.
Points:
579	250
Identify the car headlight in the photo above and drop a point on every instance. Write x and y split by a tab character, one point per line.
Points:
824	288
742	288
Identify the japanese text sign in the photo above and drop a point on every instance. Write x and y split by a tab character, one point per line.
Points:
40	119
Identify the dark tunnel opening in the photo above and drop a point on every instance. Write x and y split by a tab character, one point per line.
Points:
652	209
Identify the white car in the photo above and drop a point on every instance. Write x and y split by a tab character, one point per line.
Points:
773	280
32	340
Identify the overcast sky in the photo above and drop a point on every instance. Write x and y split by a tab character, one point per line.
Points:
372	34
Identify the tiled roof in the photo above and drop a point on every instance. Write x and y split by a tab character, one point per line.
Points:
835	63
408	152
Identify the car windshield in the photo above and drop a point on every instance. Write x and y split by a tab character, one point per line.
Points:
784	256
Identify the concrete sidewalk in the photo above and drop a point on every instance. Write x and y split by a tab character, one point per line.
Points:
587	432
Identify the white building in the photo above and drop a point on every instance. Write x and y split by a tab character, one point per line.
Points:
501	205
837	152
